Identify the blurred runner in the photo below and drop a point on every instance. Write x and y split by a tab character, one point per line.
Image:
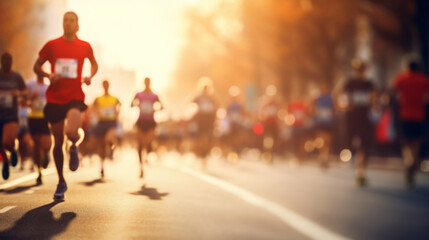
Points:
146	124
268	114
11	87
107	109
235	117
205	118
65	98
323	115
413	88
361	95
37	124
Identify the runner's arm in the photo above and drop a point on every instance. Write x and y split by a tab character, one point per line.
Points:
161	106
94	70
20	93
135	102
53	78
38	68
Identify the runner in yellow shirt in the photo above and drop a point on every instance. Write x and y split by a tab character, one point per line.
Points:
107	109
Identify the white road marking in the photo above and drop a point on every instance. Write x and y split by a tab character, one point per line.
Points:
29	191
5	209
293	219
26	178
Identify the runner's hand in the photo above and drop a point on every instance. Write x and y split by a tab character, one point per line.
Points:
87	80
54	77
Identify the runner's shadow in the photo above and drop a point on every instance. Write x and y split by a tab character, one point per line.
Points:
93	182
417	197
19	189
39	223
151	193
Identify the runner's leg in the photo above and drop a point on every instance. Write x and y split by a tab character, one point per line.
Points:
140	146
46	143
73	124
37	158
101	147
10	133
58	133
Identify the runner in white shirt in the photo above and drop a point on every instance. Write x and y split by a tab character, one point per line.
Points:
38	125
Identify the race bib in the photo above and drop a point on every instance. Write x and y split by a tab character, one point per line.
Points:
206	106
146	107
108	112
360	98
38	104
6	99
66	67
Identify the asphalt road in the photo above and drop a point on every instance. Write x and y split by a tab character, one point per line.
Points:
178	199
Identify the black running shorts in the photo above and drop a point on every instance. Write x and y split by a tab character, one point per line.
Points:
103	126
411	130
145	125
55	113
38	126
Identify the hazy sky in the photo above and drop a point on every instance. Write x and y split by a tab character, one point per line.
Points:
140	35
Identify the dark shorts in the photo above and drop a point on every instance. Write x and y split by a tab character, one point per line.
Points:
145	125
55	113
103	127
411	130
4	122
38	126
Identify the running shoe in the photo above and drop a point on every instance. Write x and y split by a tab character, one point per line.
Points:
45	161
74	158
61	189
5	171
39	179
13	158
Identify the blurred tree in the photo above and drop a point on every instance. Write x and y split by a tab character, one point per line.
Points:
296	43
20	33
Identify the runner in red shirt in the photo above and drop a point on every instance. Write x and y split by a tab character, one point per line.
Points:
65	98
412	88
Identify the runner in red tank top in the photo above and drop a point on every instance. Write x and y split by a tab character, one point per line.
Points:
65	98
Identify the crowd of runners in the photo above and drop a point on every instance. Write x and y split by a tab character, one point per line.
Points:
48	113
